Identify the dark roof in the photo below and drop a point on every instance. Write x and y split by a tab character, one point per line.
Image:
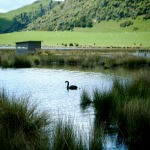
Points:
28	42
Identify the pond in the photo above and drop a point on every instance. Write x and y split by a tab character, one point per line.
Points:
47	88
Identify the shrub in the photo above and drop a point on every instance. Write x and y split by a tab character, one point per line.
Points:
146	17
70	44
126	24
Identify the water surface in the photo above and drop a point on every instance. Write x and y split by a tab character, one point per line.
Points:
47	88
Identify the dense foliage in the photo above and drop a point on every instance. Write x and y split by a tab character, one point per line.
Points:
84	13
20	21
77	13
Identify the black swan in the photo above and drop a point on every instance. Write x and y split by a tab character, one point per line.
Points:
71	87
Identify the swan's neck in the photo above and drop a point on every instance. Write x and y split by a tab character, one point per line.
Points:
67	84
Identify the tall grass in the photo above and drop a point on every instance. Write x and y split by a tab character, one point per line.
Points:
137	116
22	62
21	127
127	103
85	99
78	58
65	137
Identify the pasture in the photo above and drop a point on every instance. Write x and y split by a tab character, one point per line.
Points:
55	38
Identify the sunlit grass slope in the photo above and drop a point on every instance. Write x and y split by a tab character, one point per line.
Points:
82	38
6	18
139	25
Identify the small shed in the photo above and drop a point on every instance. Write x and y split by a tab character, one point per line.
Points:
27	46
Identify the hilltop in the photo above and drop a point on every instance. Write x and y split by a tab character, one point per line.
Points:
18	19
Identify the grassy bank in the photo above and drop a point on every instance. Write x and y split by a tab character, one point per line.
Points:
23	127
127	104
78	58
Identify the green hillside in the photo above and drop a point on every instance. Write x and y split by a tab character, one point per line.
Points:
49	15
113	26
7	18
85	13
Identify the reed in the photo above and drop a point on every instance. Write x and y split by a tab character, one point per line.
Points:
127	103
137	116
23	61
21	127
79	58
85	99
66	136
103	104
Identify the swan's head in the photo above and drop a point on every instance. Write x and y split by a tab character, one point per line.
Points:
66	81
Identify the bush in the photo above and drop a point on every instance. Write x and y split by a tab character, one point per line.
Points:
126	24
70	44
146	17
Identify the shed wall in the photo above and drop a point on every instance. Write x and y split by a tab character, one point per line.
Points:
25	47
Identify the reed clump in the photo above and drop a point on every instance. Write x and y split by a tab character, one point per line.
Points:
79	58
85	99
127	61
21	127
137	116
66	136
127	103
22	61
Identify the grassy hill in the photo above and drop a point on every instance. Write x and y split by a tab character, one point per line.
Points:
106	33
71	14
6	18
85	13
85	22
114	26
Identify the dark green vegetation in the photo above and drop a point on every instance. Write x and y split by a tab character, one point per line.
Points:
23	128
77	58
18	19
127	105
48	15
126	24
85	13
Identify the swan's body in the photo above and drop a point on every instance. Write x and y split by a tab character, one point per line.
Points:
71	87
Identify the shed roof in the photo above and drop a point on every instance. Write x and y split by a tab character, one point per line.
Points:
28	42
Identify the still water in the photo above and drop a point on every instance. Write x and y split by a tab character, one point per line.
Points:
47	88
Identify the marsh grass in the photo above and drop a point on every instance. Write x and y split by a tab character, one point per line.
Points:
21	127
127	103
79	58
22	61
136	116
85	99
103	105
65	137
68	137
